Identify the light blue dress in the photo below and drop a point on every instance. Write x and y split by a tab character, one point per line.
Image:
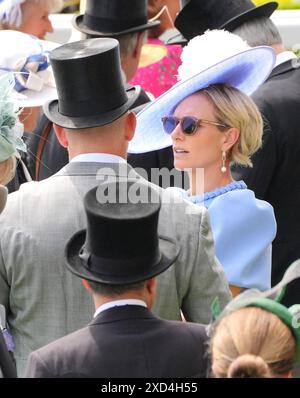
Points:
243	228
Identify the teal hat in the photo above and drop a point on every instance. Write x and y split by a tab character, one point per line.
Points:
11	129
269	301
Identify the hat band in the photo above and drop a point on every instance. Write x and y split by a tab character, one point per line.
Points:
92	107
112	25
109	267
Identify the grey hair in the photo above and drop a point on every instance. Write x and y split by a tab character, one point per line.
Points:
104	289
259	32
127	42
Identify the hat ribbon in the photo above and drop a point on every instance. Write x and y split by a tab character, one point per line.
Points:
32	74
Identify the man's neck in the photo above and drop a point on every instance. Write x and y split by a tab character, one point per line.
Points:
278	48
73	154
100	300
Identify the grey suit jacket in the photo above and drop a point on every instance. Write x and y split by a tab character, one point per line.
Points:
44	301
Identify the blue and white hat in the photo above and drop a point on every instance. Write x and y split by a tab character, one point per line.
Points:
10	12
28	58
217	56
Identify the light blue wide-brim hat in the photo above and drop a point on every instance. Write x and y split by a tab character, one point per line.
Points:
217	56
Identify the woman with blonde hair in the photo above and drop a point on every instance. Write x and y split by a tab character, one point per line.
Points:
29	16
244	345
255	335
211	122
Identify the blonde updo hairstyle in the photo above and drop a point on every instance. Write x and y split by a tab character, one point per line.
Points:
252	343
235	109
7	170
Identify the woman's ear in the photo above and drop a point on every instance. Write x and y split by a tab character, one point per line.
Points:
61	135
230	138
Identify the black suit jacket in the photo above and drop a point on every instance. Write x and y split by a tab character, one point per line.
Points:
275	176
125	342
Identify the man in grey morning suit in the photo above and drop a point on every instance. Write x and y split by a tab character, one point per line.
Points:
43	300
124	339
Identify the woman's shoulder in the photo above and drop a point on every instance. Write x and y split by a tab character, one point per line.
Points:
240	209
243	199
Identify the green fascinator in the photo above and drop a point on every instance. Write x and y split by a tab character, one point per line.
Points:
269	301
11	129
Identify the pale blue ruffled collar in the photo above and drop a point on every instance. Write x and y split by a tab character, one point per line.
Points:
208	197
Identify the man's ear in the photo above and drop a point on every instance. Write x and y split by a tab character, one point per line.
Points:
151	286
130	125
139	44
230	138
61	135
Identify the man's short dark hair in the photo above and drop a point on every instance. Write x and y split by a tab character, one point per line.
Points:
114	290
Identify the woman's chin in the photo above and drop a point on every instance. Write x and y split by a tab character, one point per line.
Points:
179	165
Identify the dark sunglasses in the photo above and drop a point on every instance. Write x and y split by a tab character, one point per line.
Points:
188	124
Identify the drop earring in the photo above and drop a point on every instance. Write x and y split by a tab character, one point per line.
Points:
223	168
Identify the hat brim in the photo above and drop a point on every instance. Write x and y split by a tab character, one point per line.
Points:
169	253
31	98
246	71
182	20
51	110
77	22
265	10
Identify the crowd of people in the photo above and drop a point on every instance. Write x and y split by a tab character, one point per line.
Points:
148	192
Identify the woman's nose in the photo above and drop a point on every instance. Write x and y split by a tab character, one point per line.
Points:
177	133
49	26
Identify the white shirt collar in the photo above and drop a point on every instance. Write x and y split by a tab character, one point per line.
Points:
119	303
98	158
283	57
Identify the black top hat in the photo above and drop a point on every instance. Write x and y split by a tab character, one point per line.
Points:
112	18
198	16
121	244
89	84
